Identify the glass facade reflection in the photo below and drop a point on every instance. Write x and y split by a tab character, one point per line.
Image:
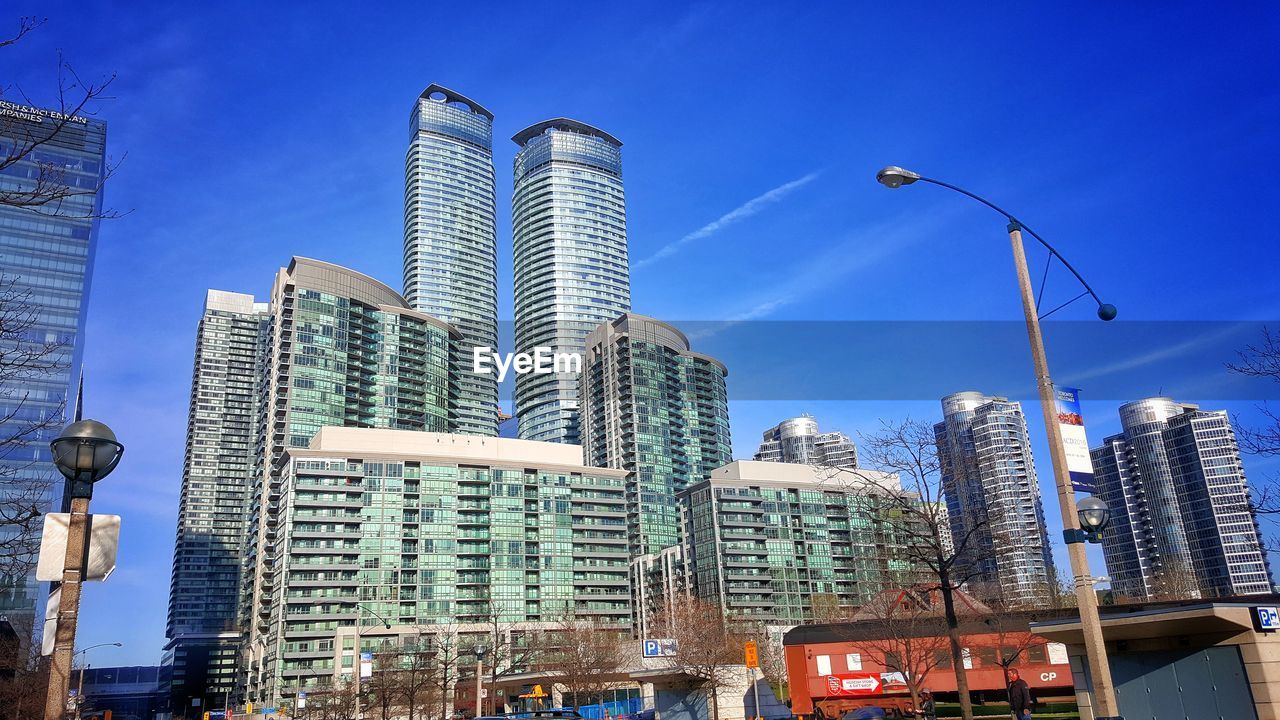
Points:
783	543
46	261
423	531
1182	523
658	410
450	238
570	254
993	498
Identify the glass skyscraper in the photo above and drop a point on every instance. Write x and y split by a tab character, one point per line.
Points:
46	262
569	221
993	498
450	238
653	407
1182	524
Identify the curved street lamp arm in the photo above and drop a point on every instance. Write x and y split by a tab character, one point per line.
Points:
1013	221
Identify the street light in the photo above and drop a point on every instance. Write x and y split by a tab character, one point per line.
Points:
86	452
1095	648
387	624
80	685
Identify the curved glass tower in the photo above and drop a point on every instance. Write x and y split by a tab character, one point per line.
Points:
450	238
568	216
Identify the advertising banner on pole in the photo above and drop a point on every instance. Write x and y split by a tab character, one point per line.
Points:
1074	442
366	665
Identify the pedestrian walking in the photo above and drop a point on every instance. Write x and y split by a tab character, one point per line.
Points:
1019	696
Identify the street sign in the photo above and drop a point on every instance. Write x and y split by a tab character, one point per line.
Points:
104	538
752	654
853	684
1268	618
662	647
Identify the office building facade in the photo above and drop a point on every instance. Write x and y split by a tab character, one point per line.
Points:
450	238
798	440
46	265
783	544
568	217
1182	523
993	499
653	407
421	530
202	627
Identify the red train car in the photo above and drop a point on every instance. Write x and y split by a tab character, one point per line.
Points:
832	668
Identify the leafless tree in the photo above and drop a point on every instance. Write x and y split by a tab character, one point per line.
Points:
773	661
908	452
22	687
510	647
27	358
39	180
708	648
1262	360
912	637
1013	637
333	702
416	679
382	689
585	657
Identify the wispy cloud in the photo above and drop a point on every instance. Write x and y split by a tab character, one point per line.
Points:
742	212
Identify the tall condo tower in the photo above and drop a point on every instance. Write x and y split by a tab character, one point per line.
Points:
798	441
1182	525
450	238
341	349
989	482
569	220
203	629
653	407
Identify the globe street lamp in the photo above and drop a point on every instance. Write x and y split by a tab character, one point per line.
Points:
480	651
86	452
1095	648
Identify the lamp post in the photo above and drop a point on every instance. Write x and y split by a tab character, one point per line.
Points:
84	453
480	650
80	684
359	656
1095	648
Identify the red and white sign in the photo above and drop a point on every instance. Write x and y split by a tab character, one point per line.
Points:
853	684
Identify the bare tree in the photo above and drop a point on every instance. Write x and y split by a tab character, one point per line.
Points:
773	662
510	647
38	180
27	358
1013	637
382	689
585	657
1262	360
911	637
707	648
332	702
22	687
908	452
416	679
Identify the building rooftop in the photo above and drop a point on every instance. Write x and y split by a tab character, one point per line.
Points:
473	449
440	93
562	123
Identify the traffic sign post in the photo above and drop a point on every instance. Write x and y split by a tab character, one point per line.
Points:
751	651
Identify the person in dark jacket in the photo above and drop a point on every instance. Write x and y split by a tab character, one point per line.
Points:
1019	697
928	708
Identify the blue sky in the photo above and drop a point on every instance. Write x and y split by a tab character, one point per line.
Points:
1140	140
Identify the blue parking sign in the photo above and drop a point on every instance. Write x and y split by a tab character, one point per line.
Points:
650	648
1268	618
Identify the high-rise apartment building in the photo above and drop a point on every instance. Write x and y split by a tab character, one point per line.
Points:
203	628
421	530
782	543
653	407
450	238
658	582
331	348
46	263
993	498
568	217
1182	524
798	441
